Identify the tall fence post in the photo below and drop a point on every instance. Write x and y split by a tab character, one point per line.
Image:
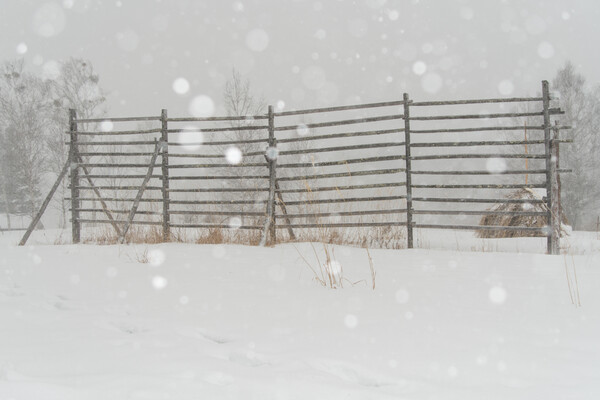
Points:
166	229
74	169
409	210
556	185
553	245
272	178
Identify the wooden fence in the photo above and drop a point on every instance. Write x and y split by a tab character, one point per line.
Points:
402	163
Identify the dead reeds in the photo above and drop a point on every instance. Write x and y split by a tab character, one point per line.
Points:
514	214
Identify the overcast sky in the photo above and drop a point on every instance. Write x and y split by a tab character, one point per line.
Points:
303	53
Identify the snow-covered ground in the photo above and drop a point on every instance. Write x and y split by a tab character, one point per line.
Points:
184	321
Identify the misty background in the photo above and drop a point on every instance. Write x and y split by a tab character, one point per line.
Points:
304	52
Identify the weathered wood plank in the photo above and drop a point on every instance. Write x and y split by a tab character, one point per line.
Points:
225	129
342	148
100	221
343	213
482	186
482	116
341	162
115	119
338	108
484	172
212	119
482	227
340	122
479	144
345	187
214	226
344	200
471	200
220	190
117	133
116	154
224	177
344	225
476	101
339	135
473	156
486	212
342	174
478	129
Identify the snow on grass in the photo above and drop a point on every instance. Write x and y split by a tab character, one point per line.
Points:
237	322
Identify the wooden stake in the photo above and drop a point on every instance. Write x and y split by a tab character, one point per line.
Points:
165	175
102	202
38	216
526	152
140	192
73	159
553	221
409	206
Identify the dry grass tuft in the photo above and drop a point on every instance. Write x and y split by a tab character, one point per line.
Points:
329	272
137	234
229	236
534	221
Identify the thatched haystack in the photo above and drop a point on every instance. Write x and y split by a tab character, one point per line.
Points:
534	221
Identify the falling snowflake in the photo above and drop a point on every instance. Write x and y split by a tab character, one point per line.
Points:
506	87
156	257
257	40
127	40
495	165
21	48
351	321
432	82
159	282
419	68
402	296
272	153
181	86
202	106
546	50
190	138
302	130
233	155
49	20
235	222
106	126
497	295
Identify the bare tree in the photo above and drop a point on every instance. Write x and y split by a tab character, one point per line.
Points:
77	86
33	121
25	107
240	101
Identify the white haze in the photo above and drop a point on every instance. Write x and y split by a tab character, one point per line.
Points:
304	53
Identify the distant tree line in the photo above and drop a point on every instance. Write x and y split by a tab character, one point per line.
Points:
580	194
33	119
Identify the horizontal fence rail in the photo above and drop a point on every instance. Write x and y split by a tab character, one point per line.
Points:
400	164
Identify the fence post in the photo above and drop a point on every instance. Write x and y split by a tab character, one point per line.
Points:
556	185
74	169
166	230
272	179
553	219
409	210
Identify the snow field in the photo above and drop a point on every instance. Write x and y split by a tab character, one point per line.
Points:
238	322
